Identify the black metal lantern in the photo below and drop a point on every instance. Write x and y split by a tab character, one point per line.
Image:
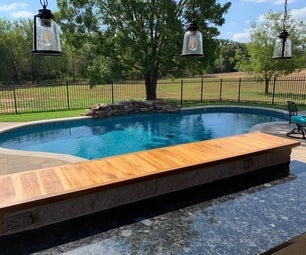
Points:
192	45
46	40
282	47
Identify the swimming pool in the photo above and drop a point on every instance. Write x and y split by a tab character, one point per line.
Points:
91	139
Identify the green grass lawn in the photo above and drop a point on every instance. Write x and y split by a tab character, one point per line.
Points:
29	103
26	98
24	117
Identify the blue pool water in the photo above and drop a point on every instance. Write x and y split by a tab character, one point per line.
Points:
116	135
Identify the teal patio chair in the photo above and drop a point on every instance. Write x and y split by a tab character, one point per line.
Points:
298	120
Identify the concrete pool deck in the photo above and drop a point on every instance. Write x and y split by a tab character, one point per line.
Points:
281	129
143	235
12	161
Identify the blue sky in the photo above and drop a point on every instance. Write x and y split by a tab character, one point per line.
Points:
242	12
236	26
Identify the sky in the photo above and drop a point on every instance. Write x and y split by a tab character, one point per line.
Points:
243	12
237	20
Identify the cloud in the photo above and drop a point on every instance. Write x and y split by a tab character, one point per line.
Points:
16	10
241	37
261	18
276	2
299	14
13	6
22	14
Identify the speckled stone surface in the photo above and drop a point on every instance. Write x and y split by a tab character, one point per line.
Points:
249	221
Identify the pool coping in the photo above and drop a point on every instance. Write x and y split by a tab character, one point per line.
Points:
54	159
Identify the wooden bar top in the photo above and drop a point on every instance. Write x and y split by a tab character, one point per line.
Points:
62	182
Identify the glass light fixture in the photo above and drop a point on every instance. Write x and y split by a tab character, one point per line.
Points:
46	40
282	47
192	45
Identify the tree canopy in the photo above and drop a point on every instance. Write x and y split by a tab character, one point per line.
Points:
145	36
258	59
226	61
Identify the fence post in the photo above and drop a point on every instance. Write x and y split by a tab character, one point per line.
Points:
220	92
113	97
273	92
182	85
202	89
15	99
239	90
67	94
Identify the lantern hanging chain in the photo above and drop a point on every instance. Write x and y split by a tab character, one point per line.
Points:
44	3
193	12
285	15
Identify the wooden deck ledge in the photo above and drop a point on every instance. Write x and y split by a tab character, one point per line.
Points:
33	199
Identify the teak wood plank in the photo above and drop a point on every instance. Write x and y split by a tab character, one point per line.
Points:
124	168
73	179
30	185
8	190
50	181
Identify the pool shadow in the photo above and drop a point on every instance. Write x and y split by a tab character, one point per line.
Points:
297	167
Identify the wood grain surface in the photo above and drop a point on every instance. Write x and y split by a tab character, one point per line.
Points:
67	181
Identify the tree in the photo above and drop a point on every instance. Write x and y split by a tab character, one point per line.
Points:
15	59
5	69
226	61
18	64
258	60
144	35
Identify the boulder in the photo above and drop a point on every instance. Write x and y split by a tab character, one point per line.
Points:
130	106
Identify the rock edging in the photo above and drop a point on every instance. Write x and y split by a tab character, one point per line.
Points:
130	106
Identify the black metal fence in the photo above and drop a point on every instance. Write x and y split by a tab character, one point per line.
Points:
64	96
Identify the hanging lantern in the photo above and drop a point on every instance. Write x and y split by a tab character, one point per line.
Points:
282	47
46	41
192	45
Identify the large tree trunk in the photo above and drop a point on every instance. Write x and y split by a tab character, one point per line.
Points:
267	81
151	84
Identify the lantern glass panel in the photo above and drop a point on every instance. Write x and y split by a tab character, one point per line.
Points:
193	44
47	41
282	48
